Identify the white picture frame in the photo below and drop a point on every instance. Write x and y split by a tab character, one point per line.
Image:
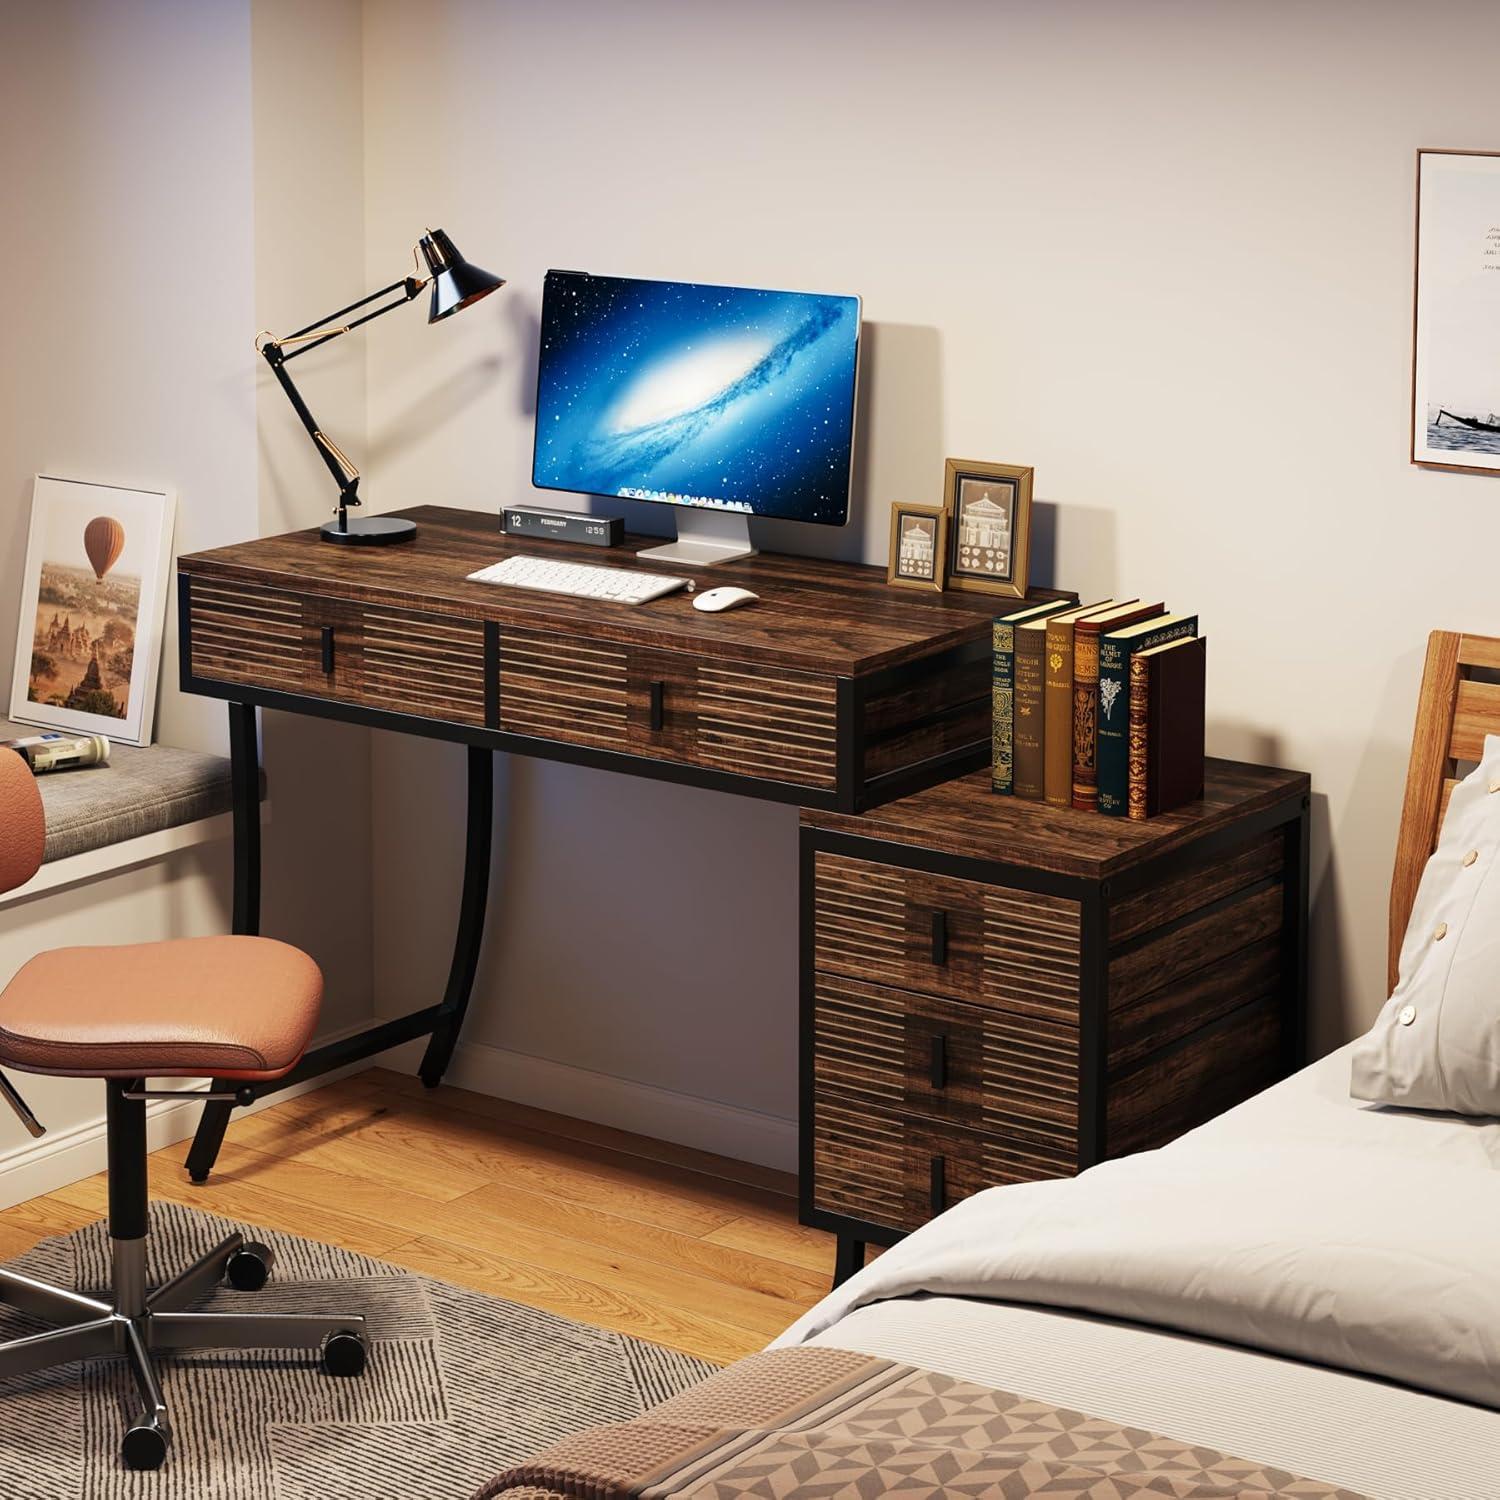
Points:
86	637
1455	417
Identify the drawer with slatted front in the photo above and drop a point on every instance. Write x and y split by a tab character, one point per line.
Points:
398	660
736	718
989	944
949	1062
885	1168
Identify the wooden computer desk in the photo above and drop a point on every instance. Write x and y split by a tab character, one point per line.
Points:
834	692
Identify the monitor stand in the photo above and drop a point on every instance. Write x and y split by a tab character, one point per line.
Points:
705	537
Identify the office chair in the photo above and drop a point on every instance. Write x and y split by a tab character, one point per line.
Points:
235	1008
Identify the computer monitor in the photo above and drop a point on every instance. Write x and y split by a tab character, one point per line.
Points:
726	401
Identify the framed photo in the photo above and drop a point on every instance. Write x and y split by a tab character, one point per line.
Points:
93	604
1455	376
989	526
919	535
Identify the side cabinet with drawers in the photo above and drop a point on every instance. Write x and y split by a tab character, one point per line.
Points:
995	991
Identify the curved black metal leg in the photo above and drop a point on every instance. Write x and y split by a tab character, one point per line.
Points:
440	1023
244	780
471	912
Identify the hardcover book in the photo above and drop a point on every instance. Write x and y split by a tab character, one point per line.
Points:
1002	735
1167	689
1030	702
1057	709
1115	650
1086	635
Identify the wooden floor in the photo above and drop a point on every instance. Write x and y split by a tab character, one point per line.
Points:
660	1241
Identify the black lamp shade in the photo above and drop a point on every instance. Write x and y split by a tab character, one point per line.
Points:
455	283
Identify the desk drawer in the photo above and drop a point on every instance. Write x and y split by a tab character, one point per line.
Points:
880	1166
399	660
987	944
727	716
731	716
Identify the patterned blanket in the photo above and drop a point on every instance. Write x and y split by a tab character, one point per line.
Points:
806	1422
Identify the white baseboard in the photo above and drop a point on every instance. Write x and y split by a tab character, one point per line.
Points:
56	1159
685	1119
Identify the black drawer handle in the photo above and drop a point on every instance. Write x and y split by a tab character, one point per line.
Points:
937	1195
658	700
327	634
940	937
939	1074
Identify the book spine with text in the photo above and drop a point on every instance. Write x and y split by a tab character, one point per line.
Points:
1003	693
1085	720
1136	736
1030	689
1113	754
1057	715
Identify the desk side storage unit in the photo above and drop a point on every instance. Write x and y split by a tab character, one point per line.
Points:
996	991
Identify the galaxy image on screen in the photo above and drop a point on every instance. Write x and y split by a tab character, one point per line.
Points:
697	395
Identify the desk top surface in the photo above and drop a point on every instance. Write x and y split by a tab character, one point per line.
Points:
964	817
813	614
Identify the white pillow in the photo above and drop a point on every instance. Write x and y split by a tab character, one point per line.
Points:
1436	1043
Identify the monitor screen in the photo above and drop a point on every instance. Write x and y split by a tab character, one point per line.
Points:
713	396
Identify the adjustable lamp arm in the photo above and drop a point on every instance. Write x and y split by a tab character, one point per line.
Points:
276	354
456	284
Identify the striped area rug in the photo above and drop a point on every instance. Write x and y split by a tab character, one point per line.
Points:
458	1386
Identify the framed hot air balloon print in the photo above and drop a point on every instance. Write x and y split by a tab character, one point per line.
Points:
93	606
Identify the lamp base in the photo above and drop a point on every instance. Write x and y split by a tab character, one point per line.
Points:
370	531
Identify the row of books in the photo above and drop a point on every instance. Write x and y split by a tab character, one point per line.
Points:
1099	706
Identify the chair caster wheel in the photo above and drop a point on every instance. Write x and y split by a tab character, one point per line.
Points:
144	1445
344	1354
249	1268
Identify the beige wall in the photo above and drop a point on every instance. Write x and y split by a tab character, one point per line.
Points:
306	103
125	160
125	176
1160	251
156	206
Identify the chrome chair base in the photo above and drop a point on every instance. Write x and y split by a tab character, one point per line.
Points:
137	1323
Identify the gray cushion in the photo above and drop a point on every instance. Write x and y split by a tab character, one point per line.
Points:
140	791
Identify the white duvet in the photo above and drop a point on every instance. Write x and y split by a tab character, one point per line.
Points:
1372	1245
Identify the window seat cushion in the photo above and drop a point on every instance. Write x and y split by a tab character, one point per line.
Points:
140	791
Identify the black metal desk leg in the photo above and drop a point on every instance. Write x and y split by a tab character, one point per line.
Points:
244	777
478	839
849	1258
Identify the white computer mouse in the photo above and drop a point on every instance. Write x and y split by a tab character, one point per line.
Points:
727	598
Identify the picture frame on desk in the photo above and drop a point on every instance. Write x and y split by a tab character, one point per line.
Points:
919	540
989	526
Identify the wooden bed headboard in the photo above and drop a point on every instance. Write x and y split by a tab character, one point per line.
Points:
1458	706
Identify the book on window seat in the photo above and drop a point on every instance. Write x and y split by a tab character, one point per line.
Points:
1167	685
1003	691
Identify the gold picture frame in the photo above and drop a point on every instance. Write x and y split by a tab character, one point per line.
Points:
919	552
989	526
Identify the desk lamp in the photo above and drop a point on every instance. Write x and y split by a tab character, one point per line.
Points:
456	284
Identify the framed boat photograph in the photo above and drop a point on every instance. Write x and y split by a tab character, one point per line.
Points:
1456	318
93	607
989	526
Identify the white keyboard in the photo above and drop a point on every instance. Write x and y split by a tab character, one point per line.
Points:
618	585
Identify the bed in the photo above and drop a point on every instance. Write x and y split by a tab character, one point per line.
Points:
1297	1299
